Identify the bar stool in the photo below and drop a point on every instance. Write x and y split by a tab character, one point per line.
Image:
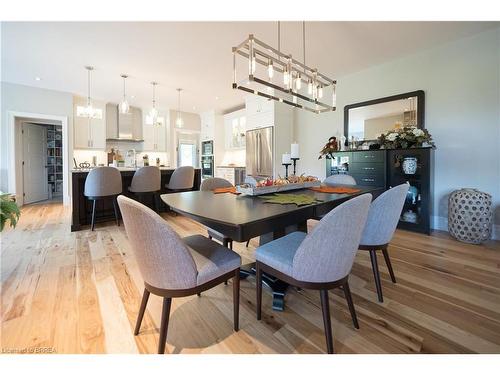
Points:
146	182
103	183
181	180
208	185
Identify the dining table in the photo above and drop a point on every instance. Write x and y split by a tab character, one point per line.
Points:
243	217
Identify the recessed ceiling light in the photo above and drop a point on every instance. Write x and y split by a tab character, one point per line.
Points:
216	98
132	96
194	107
38	79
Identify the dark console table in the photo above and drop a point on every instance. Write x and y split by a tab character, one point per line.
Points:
82	207
383	168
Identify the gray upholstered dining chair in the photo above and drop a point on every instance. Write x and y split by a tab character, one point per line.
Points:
182	179
210	184
381	224
103	183
146	182
321	260
175	267
339	179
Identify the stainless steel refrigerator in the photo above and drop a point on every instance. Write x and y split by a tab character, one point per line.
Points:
259	152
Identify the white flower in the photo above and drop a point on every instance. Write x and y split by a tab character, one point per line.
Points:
418	132
392	137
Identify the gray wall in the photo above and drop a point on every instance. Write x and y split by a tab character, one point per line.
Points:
19	98
461	81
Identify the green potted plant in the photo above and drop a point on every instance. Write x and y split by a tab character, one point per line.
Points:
406	137
8	211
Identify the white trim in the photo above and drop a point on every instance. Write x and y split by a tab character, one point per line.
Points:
11	115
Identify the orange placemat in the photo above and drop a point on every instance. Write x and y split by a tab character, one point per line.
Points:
231	190
335	189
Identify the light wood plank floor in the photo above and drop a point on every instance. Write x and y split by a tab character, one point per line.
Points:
80	293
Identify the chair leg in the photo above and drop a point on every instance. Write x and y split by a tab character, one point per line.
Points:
376	275
165	313
258	281
116	211
93	215
156	201
325	308
248	243
231	244
389	265
145	297
236	299
348	297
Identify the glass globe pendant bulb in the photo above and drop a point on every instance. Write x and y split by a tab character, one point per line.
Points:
124	106
320	91
310	87
298	82
270	69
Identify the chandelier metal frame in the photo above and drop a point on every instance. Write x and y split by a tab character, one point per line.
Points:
257	52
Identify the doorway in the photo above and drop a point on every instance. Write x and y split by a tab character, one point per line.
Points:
187	150
42	162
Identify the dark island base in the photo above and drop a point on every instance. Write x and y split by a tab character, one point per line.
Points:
82	207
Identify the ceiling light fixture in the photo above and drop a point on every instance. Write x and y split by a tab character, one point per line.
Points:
293	74
89	110
124	106
178	121
38	79
154	112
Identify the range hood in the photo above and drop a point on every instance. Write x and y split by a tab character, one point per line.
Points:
122	127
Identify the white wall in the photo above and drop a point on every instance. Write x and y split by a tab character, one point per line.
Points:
26	99
461	81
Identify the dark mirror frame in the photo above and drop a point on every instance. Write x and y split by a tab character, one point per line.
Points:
420	107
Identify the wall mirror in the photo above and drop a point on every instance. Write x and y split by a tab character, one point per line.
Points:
367	120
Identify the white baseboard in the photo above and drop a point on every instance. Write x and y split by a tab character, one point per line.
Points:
441	223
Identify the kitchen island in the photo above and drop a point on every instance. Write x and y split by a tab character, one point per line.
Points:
82	207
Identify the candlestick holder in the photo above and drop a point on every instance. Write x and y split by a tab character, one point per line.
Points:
286	165
295	165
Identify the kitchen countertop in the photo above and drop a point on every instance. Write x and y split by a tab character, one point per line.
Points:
121	169
229	166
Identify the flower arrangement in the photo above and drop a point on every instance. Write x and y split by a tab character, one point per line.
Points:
328	149
406	137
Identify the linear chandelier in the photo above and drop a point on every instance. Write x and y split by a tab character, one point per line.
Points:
286	80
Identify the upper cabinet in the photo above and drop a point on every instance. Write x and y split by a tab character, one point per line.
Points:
155	135
89	133
234	129
259	112
207	131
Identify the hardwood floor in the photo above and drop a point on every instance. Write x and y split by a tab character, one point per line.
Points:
80	293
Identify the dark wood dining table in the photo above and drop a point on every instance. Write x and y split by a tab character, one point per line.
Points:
243	217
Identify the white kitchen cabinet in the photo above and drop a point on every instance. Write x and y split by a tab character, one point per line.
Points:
260	112
235	129
89	133
155	136
207	131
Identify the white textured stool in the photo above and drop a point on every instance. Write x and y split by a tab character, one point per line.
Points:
470	215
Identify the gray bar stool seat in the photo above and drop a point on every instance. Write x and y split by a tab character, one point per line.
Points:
146	182
208	185
103	183
381	224
174	267
321	260
182	179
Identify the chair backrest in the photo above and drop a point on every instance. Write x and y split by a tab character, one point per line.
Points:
182	178
164	260
339	179
328	252
214	183
102	182
146	179
384	215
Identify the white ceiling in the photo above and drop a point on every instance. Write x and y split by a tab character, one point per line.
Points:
197	55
